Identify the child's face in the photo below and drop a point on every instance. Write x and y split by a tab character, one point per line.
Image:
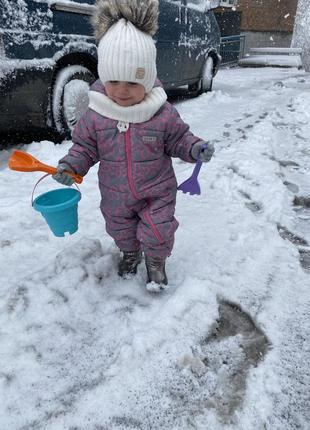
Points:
125	93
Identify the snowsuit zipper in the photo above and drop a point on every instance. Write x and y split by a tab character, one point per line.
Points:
132	186
129	164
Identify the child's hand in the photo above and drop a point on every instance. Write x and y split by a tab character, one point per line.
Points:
199	152
61	176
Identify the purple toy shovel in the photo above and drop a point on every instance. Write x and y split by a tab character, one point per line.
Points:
191	185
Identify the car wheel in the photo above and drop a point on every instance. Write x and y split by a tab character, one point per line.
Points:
207	75
70	97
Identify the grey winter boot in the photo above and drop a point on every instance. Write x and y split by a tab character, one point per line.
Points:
156	272
129	263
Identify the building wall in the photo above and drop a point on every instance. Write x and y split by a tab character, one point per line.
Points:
267	15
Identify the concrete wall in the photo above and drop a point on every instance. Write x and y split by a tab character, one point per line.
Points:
257	39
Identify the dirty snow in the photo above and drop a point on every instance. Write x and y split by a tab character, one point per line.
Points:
227	345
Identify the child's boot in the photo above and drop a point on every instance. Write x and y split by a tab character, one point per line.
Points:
156	272
129	263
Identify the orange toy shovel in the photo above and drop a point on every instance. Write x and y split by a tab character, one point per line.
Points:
24	162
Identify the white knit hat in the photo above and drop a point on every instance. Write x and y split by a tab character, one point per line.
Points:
126	50
127	54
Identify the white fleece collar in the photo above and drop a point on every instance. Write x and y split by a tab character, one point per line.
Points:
141	112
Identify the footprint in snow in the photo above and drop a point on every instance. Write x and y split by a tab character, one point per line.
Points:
292	237
301	206
234	345
215	375
304	258
302	201
300	243
252	205
288	163
263	115
291	186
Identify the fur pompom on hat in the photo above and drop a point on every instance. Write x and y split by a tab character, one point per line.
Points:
126	49
143	14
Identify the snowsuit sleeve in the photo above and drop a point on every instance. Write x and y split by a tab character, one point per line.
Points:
179	140
84	153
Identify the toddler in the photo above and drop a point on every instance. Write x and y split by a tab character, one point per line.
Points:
132	131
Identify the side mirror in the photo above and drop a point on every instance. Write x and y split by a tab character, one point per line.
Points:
212	4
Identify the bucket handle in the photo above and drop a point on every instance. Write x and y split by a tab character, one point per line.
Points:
41	179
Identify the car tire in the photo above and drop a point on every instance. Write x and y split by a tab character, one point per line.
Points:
205	83
207	75
195	89
70	97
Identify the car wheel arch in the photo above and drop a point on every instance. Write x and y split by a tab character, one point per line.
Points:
71	62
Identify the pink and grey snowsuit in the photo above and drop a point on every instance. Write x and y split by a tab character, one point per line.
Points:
136	178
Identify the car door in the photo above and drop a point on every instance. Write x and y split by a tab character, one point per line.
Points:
201	34
171	53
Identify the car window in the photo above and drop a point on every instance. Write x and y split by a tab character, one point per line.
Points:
197	4
23	16
177	2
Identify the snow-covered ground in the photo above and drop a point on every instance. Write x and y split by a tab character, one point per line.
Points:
227	346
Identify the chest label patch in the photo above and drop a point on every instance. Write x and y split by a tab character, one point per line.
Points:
149	139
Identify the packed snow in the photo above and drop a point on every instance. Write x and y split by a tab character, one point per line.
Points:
227	345
272	60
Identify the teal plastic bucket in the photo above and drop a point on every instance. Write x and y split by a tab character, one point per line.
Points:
60	209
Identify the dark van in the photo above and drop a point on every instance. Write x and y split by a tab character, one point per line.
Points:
48	57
